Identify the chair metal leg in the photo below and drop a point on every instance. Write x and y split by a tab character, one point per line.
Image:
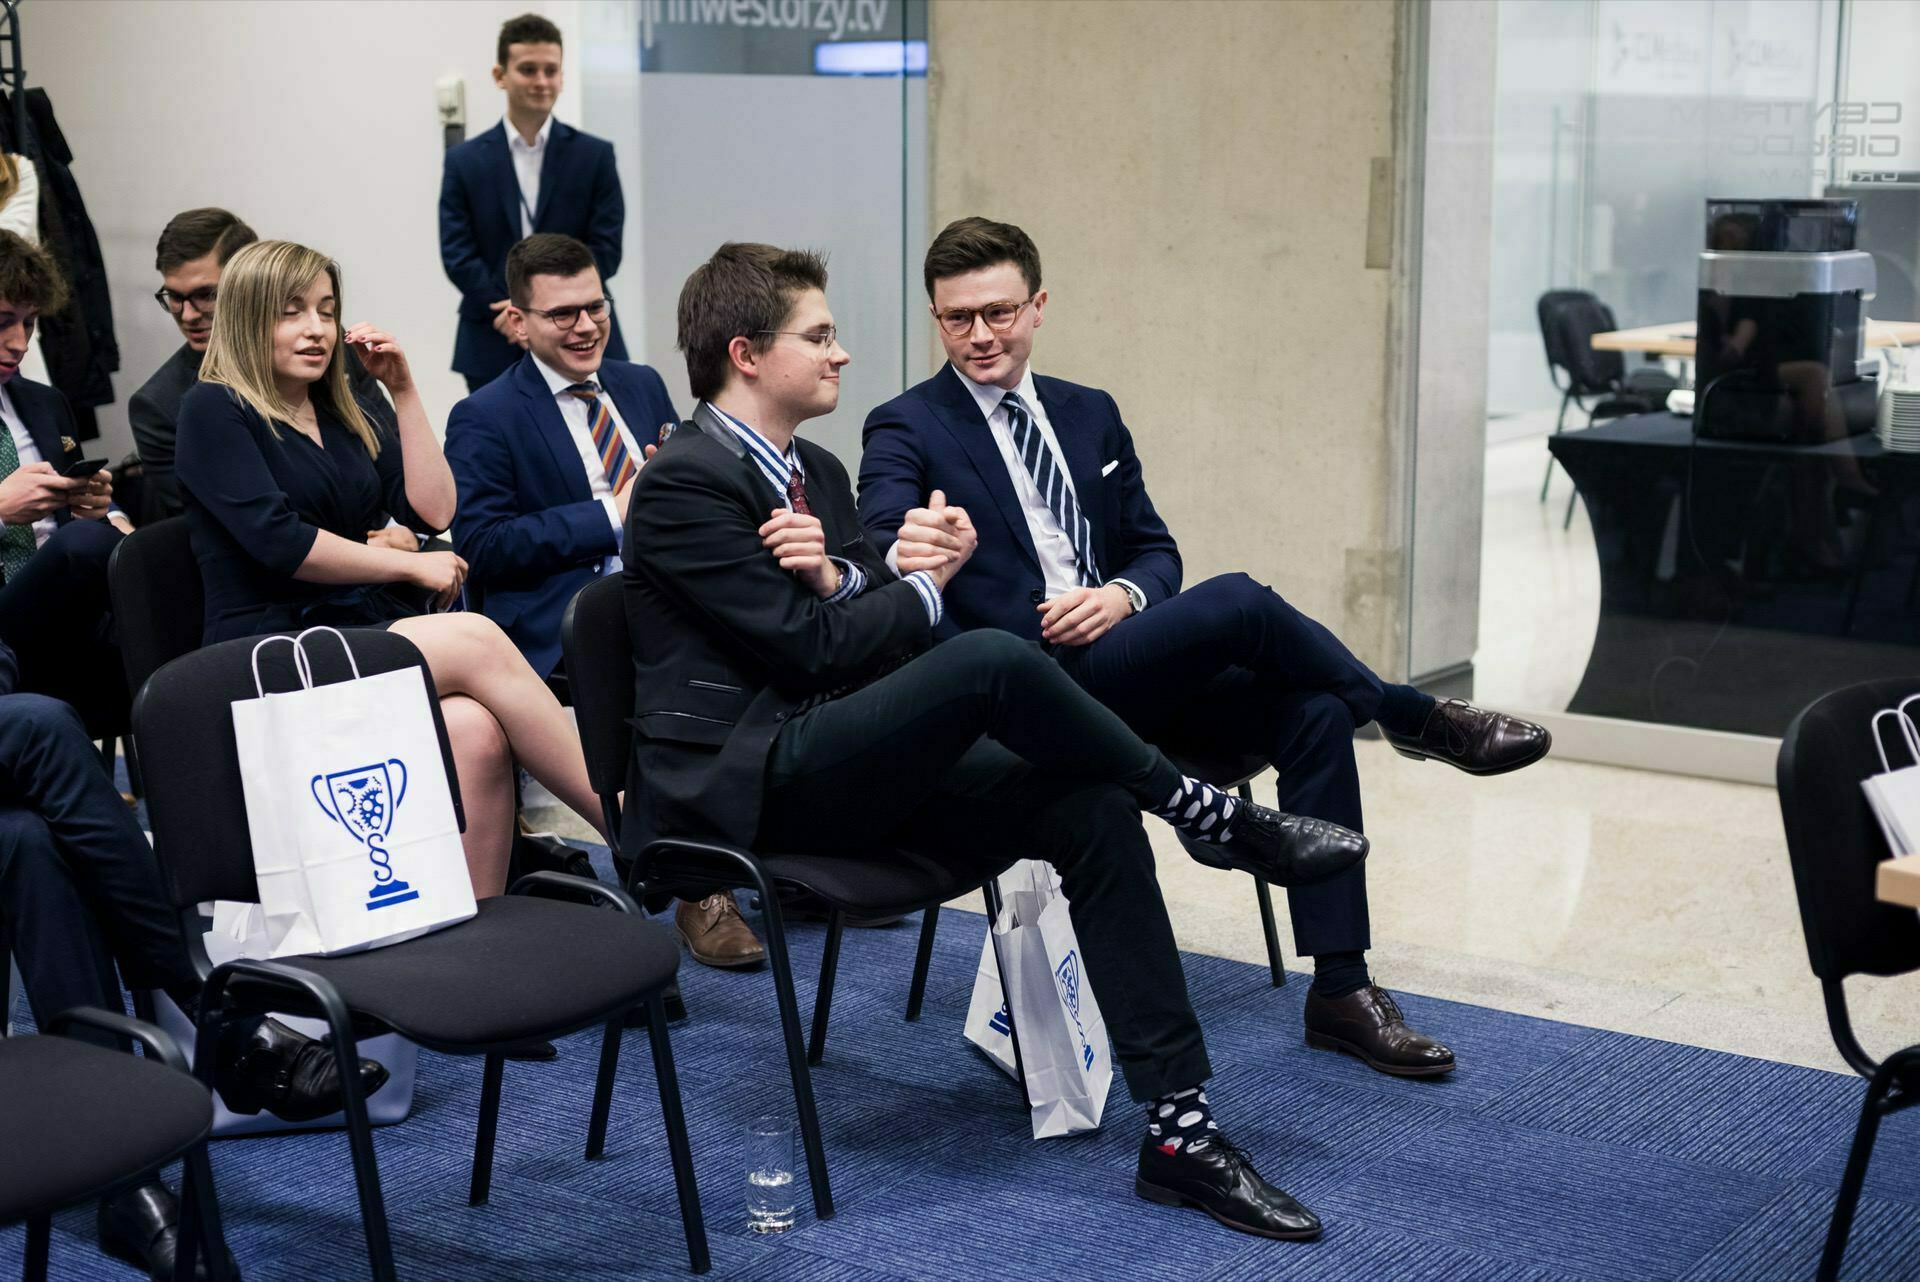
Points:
677	1145
482	1183
992	892
779	962
1263	895
922	960
823	1000
1567	523
1856	1175
136	784
603	1087
1559	425
39	1242
200	1221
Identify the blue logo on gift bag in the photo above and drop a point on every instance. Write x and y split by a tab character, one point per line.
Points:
1067	975
999	1023
363	802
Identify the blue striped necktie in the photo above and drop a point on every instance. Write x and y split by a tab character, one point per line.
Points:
614	459
1050	478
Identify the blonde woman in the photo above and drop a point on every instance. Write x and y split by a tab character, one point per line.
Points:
283	475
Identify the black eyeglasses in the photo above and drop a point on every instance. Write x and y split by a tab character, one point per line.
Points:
565	318
998	316
202	299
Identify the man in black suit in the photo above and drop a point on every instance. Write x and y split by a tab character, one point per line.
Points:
79	893
787	698
528	173
1076	556
54	535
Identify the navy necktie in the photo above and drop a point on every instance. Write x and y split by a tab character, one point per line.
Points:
1050	478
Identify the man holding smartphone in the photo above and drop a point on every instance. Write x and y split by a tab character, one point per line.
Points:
55	538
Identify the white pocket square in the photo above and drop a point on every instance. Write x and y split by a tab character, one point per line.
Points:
1108	469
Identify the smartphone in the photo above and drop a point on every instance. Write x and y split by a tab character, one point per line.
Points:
84	469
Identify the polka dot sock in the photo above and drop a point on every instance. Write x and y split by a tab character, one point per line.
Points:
1181	1120
1200	810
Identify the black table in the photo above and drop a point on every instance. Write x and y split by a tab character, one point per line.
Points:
1739	581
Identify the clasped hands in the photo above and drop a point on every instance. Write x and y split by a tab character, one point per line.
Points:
35	490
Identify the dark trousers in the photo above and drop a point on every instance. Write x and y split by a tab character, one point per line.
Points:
79	887
1229	664
984	743
56	617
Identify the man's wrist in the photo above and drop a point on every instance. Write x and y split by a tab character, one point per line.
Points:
1136	599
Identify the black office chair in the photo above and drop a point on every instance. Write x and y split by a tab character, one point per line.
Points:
1836	848
1569	318
85	1122
1237	771
529	966
157	598
599	650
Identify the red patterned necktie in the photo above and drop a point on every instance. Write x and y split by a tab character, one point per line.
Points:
797	493
614	458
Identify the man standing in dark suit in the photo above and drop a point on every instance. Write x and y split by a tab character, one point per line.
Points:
54	535
528	173
545	460
787	698
1072	554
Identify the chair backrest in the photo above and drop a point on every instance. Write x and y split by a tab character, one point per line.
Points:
158	604
1832	839
593	637
1569	318
183	721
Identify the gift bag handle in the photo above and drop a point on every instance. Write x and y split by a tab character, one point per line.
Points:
1907	733
301	666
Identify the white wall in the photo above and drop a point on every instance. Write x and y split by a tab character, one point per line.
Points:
312	119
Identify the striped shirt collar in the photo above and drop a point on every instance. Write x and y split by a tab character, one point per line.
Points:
773	465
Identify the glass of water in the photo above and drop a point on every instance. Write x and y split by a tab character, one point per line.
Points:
770	1183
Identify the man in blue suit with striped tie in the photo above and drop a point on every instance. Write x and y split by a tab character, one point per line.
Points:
545	458
1072	554
528	173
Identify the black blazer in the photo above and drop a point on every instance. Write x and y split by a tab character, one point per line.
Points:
480	221
726	644
152	413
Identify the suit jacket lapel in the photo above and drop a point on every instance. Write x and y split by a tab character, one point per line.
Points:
510	179
551	166
960	414
1082	450
30	403
632	411
543	415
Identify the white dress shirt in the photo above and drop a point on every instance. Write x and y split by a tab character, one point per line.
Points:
527	161
573	412
1059	564
29	453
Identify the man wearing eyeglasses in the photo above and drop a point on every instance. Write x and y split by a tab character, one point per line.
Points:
1073	554
545	458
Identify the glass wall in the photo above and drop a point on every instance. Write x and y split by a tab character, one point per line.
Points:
793	123
1724	564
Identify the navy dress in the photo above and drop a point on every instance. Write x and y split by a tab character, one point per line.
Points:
257	499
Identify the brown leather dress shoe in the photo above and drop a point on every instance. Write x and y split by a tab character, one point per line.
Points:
1368	1024
716	934
1473	739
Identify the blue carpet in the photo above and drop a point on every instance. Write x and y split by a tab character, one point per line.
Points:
1555	1152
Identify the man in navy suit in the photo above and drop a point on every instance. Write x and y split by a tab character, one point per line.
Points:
55	537
1072	554
545	459
528	173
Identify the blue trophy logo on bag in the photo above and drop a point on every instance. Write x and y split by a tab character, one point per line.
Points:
1068	977
363	802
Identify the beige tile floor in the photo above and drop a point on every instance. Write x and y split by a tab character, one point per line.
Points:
1645	903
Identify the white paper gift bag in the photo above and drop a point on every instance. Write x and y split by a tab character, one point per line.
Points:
1063	1039
355	843
1894	794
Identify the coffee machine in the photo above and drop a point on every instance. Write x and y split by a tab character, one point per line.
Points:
1781	329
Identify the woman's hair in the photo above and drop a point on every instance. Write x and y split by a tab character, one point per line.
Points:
255	285
9	176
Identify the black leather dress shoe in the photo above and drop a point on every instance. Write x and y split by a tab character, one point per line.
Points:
1288	850
1367	1023
1473	739
1219	1178
287	1074
142	1227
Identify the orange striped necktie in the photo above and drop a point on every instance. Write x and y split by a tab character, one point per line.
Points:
614	459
